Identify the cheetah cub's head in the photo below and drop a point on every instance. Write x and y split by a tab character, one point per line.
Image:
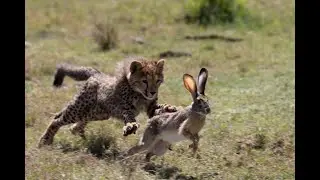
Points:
146	77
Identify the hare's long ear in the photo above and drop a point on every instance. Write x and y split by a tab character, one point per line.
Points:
202	80
190	85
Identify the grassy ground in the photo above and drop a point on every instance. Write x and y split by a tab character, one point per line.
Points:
249	135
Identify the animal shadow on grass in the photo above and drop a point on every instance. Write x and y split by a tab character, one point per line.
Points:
158	170
161	171
100	146
172	172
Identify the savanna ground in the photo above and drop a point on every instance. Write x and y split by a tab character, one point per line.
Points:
249	135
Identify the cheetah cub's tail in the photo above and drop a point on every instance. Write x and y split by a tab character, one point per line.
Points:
78	73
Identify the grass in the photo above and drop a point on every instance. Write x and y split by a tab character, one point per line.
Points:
105	36
205	12
249	135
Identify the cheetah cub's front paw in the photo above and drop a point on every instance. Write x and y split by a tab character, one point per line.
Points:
169	108
130	128
166	108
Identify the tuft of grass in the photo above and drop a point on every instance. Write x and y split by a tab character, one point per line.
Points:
30	120
105	35
101	146
206	12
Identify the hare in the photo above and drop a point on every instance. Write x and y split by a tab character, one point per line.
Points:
168	128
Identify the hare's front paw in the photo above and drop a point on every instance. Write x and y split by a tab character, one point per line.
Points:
130	128
191	146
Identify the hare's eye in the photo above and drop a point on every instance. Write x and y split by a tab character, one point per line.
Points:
145	81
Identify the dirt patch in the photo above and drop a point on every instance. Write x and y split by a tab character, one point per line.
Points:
213	36
257	141
170	53
48	34
278	147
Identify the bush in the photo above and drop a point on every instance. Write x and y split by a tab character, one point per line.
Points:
105	35
206	12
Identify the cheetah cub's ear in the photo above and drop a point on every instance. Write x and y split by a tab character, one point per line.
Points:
160	65
134	66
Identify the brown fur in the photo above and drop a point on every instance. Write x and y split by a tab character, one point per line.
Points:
193	124
167	128
124	96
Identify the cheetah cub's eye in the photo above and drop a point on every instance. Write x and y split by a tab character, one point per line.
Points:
145	81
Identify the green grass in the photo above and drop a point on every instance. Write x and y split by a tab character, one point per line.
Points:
212	12
249	135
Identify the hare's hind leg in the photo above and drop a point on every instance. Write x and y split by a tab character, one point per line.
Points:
149	156
136	149
195	140
142	146
147	141
159	149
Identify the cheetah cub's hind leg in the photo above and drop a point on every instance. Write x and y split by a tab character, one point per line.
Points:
75	112
79	129
52	129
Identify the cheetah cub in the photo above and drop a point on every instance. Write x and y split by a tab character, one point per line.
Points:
167	128
133	89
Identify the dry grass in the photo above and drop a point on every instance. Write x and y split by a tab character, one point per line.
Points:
105	35
249	135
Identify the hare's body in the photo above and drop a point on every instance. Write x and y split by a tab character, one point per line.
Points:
169	128
179	122
172	137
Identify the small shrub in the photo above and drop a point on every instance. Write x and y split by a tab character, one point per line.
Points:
105	35
99	144
29	121
206	12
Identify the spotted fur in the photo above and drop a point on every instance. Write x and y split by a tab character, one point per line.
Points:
133	89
